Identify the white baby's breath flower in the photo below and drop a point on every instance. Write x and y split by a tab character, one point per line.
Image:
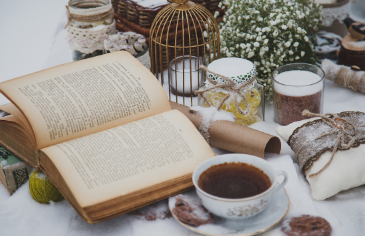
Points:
273	22
250	30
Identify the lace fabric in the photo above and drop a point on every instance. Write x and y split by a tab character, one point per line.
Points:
89	40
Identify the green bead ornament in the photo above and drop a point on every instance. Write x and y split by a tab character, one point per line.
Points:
42	189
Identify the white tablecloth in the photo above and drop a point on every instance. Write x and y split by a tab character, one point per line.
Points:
33	39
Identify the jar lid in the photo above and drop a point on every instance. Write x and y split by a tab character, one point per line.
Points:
238	69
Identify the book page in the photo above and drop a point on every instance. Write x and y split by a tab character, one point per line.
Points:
83	97
124	159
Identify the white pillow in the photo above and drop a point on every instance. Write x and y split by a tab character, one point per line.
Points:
347	169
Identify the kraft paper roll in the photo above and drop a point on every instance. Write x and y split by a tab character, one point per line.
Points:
234	137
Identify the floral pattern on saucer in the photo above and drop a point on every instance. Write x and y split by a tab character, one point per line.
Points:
247	211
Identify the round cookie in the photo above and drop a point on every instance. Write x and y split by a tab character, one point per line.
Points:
306	225
191	212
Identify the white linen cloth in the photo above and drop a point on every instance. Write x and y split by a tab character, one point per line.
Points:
31	44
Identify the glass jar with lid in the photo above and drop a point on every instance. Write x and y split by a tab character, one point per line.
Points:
242	95
88	23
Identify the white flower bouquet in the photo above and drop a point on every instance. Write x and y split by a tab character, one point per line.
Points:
270	33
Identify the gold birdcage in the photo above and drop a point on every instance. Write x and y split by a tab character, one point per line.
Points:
183	36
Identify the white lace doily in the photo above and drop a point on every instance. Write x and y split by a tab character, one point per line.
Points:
89	40
331	14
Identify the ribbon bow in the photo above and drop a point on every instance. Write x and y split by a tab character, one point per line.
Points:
234	90
340	126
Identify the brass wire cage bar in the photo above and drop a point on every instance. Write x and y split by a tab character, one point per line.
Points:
183	36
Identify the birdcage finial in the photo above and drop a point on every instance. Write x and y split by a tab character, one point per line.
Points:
178	1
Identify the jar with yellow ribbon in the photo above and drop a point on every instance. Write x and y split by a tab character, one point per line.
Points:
231	86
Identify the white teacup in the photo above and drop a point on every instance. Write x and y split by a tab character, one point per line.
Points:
238	208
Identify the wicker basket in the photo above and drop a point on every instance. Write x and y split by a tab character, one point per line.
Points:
144	16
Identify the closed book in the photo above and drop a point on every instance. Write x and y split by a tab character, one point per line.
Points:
14	172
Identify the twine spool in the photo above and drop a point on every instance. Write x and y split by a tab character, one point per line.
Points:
42	189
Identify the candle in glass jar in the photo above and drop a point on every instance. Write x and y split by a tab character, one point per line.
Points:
185	76
294	92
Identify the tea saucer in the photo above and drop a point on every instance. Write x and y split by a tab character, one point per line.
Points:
271	216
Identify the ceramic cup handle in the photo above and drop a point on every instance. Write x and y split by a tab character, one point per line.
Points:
282	184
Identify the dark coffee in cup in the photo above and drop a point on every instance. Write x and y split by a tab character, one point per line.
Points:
234	180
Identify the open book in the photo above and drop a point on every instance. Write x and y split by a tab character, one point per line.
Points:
103	131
